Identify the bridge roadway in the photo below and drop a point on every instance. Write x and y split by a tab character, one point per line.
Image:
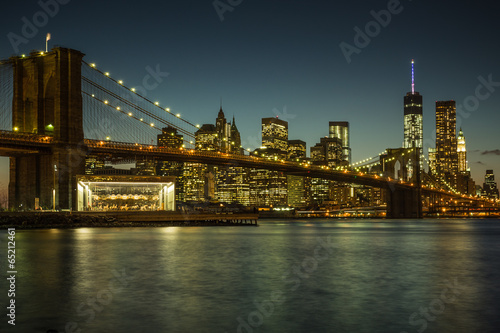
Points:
13	143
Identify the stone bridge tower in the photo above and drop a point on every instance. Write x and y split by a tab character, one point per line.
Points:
48	101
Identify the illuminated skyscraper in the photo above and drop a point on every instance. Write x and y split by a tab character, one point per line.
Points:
235	139
223	129
432	161
169	138
269	188
298	186
462	153
206	138
328	152
490	189
465	184
275	135
413	118
340	130
296	150
93	163
446	141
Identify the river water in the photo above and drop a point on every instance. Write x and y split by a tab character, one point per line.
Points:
283	276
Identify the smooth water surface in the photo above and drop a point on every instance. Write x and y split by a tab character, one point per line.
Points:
283	276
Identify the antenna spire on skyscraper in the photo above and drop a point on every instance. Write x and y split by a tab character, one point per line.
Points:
412	76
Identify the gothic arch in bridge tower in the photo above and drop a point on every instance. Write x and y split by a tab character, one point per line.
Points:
397	169
409	168
47	127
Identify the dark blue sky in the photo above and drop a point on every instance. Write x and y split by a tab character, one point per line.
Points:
283	58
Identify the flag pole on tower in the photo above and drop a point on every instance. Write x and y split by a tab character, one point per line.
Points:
47	42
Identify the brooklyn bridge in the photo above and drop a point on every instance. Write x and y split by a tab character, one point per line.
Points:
57	110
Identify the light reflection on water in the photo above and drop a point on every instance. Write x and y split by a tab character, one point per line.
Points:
374	277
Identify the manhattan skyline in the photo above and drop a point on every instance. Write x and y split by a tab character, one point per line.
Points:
267	59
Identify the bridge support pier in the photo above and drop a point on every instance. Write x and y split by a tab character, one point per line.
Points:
48	101
404	203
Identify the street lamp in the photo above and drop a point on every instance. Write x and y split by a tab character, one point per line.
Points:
54	190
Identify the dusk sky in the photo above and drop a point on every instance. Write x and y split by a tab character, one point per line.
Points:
268	58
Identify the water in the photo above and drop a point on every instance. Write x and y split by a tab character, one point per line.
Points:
283	276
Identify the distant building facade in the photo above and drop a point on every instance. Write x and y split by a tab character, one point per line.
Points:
446	142
413	121
275	135
297	186
169	138
490	188
340	130
465	184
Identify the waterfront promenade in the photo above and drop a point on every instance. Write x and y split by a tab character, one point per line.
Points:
42	220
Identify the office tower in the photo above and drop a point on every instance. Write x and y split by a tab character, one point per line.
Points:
235	139
334	151
275	135
193	181
297	186
269	188
296	150
198	178
328	152
206	138
227	184
340	130
465	184
232	185
462	152
169	138
93	163
146	166
446	142
490	189
413	122
223	130
432	161
319	188
231	182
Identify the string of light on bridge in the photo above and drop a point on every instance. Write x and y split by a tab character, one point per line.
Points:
444	181
356	167
155	104
133	90
127	113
